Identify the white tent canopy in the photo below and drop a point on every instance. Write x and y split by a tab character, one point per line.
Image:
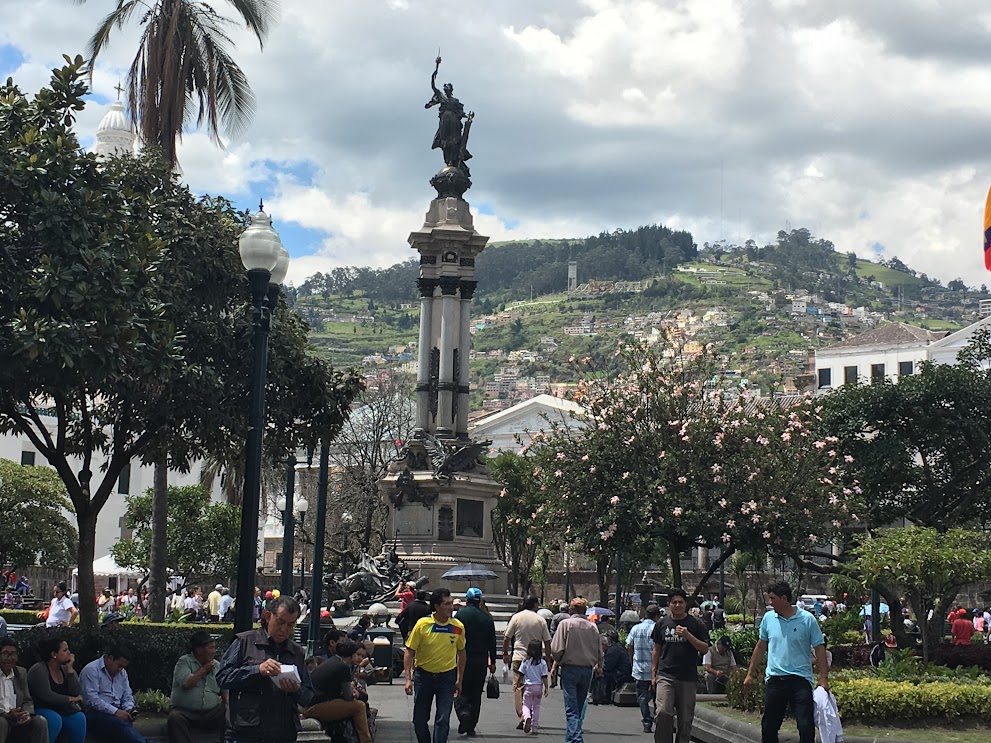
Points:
105	566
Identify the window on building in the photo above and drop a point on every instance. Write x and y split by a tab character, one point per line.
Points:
825	378
124	481
906	368
27	458
877	371
849	375
278	561
471	516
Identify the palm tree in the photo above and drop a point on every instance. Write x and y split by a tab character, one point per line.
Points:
183	63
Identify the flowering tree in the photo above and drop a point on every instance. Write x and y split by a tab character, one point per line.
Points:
673	456
518	520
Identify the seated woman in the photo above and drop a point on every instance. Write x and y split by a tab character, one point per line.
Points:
616	664
334	701
57	693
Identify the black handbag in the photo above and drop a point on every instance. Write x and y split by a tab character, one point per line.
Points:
492	687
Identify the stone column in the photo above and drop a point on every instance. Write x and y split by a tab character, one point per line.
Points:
448	340
426	287
464	349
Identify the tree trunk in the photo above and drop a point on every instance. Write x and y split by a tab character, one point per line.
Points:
675	557
86	584
159	542
602	565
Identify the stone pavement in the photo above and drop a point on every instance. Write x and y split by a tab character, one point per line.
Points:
498	719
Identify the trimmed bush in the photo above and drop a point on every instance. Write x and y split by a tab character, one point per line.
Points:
20	616
738	697
155	648
744	641
880	700
735	619
153	702
956	656
851	656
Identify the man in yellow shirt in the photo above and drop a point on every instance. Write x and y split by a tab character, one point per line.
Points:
434	665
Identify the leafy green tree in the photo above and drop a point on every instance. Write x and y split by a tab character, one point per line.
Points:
123	319
921	447
202	536
34	529
184	64
927	567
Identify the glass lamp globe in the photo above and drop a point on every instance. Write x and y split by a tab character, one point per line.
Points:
259	245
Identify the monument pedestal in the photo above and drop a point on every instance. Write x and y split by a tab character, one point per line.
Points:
440	495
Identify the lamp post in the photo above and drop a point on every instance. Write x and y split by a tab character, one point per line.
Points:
266	262
288	547
316	597
346	519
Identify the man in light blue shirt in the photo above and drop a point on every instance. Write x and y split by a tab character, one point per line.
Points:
788	634
641	649
108	699
226	602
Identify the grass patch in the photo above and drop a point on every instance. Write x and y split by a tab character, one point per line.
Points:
963	732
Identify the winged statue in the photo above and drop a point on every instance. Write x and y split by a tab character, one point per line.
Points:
446	462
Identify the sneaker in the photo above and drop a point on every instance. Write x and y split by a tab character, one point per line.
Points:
462	729
526	725
471	733
648	728
520	725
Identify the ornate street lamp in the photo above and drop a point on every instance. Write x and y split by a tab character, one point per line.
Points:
266	261
288	507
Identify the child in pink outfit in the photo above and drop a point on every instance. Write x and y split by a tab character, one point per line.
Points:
534	677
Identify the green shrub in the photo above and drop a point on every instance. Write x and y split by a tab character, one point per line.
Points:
733	605
20	616
152	702
735	619
155	647
849	637
850	619
744	640
739	697
881	700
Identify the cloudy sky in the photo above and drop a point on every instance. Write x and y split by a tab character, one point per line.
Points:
867	122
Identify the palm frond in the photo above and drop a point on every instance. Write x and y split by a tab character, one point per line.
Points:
118	17
258	16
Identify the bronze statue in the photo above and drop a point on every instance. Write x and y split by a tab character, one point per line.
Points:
451	137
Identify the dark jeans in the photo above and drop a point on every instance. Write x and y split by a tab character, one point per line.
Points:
575	681
472	686
112	728
780	692
644	695
426	688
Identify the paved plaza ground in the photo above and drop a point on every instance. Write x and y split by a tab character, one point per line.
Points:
498	719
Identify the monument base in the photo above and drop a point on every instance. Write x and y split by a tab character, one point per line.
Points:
439	522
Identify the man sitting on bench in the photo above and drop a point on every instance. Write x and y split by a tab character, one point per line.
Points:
333	698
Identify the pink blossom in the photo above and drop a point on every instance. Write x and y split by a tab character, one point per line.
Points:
755	518
763	441
831	452
731	524
626	475
584	457
786	436
558	473
682	479
677	511
819	444
559	456
661	489
592	469
847	458
766	535
716	468
614	500
726	538
722	503
813	538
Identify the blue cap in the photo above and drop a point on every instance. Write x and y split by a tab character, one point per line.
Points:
473	594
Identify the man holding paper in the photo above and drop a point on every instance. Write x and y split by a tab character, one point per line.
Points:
265	673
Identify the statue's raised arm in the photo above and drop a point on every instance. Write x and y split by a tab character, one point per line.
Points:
438	96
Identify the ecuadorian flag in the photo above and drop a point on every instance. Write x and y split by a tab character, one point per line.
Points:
987	233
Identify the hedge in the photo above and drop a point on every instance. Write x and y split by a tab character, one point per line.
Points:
965	656
155	647
871	699
877	699
20	616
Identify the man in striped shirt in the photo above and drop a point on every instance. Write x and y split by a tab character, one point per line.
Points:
641	648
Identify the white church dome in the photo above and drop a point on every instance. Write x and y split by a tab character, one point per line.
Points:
115	135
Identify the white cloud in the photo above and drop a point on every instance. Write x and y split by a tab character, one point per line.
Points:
865	122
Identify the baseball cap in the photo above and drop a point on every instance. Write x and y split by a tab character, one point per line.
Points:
725	641
218	586
473	594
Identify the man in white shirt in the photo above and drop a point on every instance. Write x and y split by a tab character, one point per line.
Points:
718	662
524	627
17	719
